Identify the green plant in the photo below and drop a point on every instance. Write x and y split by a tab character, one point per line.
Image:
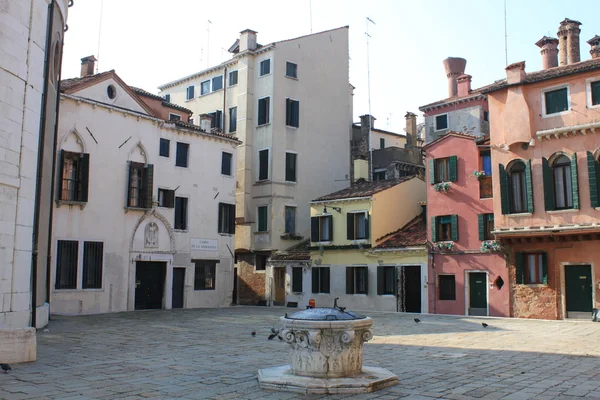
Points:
445	245
491	246
442	187
478	174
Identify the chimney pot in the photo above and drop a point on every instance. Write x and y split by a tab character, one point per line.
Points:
549	51
87	65
595	43
248	40
568	37
464	85
454	67
515	73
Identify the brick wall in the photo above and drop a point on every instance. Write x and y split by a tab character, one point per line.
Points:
251	283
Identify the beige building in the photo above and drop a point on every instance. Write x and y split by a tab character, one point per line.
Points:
289	102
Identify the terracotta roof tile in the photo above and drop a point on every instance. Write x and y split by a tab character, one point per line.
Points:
298	252
143	92
364	189
412	234
67	84
449	134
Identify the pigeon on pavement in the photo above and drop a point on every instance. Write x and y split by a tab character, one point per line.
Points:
253	333
484	325
5	368
417	320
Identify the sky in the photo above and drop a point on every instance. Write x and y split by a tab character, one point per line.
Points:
152	42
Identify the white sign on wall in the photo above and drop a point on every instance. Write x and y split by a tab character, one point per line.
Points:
204	244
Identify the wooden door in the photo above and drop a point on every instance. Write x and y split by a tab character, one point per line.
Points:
149	284
477	293
279	282
178	287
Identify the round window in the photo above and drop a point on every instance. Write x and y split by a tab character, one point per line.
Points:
111	91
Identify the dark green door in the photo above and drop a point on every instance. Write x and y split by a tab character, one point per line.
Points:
477	293
578	284
149	285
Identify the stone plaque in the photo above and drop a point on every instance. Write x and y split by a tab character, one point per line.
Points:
204	244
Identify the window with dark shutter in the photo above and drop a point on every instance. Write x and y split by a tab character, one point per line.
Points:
66	264
73	182
136	180
265	67
217	83
164	147
558	183
260	262
263	165
447	287
292	113
486	226
232	119
226	163
531	268
291	70
442	170
226	218
205	87
233	78
593	179
557	101
290	167
386	280
181	211
517	187
290	220
357	225
189	94
93	253
263	111
205	273
263	219
166	198
320	279
595	89
441	122
357	280
168	98
182	155
297	279
381	143
322	228
444	225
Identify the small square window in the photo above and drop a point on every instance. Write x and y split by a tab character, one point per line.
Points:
441	122
379	175
205	87
557	101
291	70
174	117
166	198
204	274
217	83
233	78
447	287
260	262
168	98
265	67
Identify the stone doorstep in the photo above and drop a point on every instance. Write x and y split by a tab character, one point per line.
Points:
17	345
280	379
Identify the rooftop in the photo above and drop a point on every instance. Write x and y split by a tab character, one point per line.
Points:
452	134
413	233
364	189
298	252
143	92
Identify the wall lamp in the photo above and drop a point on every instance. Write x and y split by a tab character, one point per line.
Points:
335	208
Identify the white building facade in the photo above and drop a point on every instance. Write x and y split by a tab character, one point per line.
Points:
145	208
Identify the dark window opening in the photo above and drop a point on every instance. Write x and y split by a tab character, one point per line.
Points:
290	220
181	211
265	67
92	265
357	280
226	163
260	262
563	189
557	101
217	83
74	177
322	228
441	122
166	198
205	273
292	113
141	179
216	119
263	219
447	287
66	264
204	87
290	167
379	175
291	70
517	188
164	147
233	78
595	89
386	280
226	218
263	165
263	111
320	279
297	279
181	154
232	119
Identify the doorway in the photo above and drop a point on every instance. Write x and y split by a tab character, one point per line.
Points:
409	288
178	287
149	284
578	290
279	286
235	286
478	293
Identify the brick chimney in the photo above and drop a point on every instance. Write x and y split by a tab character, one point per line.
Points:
464	85
568	41
205	122
515	73
454	67
411	129
549	51
247	40
595	43
87	65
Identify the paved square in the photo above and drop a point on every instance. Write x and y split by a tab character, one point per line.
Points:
210	354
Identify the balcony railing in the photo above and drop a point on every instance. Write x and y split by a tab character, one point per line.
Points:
485	187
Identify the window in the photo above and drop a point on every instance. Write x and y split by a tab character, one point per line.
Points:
485	182
226	218
486	226
292	113
290	167
290	219
447	287
263	111
386	280
443	169
486	116
93	253
217	119
320	279
381	143
140	187
379	175
321	228
205	87
444	228
441	122
181	207
166	198
265	67
263	165
111	92
74	177
181	155
357	225
595	89
517	188
226	163
291	70
556	101
189	93
531	268
357	280
217	83
164	147
168	98
561	188
66	264
297	279
233	78
263	218
260	262
174	117
205	273
232	119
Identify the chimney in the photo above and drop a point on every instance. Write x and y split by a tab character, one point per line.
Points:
247	40
411	129
205	122
549	51
87	65
361	169
568	41
595	43
367	121
464	85
515	73
454	67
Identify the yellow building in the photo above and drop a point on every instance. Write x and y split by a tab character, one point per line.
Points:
367	248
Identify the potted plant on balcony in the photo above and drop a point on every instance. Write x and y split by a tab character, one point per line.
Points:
478	174
445	245
490	246
443	187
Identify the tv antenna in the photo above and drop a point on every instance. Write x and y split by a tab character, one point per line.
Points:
369	98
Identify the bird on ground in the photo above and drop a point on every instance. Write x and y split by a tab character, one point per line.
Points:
253	333
5	368
484	325
272	336
417	320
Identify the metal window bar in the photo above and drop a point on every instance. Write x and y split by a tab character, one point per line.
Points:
70	179
92	265
66	264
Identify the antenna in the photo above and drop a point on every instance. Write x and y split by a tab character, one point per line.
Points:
208	43
310	12
99	35
505	37
369	97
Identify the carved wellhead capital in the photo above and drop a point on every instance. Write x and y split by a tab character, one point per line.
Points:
348	336
301	339
314	337
288	336
367	335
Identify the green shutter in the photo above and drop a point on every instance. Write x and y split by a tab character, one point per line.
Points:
130	167
366	269
366	225
453	167
593	179
434	229
548	185
432	171
575	180
454	227
545	268
529	186
481	221
350	226
520	267
330	227
504	196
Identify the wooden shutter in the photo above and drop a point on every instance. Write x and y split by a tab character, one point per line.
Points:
545	268
575	181
288	112
169	198
482	225
315	280
529	186
220	229
147	186
84	175
263	168
297	279
349	280
434	229
453	169
314	229
350	226
59	181
325	280
454	227
232	219
366	225
549	202
520	268
593	179
296	114
432	171
504	195
366	275
380	280
330	217
131	168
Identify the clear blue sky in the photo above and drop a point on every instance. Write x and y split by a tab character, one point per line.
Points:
150	42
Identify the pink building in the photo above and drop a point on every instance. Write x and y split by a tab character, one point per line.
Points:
467	275
545	128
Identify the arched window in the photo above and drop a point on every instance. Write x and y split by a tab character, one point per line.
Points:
517	187
563	187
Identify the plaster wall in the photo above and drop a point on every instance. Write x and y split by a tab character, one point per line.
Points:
99	92
391	140
465	118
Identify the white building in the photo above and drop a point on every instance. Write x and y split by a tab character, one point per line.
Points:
31	38
145	207
289	102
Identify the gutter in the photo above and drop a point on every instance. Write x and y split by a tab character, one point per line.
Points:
400	249
340	200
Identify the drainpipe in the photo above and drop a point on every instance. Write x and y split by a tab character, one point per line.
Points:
224	98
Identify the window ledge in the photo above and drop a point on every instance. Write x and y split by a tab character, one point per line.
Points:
291	236
533	285
519	215
292	77
127	209
225	234
263	125
261	76
203	290
558	114
291	183
71	203
387	295
227	176
360	294
59	291
234	85
567	210
181	230
292	127
262	182
261	232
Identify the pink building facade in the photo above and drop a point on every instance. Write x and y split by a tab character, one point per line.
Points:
467	275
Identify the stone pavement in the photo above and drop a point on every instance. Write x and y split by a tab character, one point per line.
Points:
210	354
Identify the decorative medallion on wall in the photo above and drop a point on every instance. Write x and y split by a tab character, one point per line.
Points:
151	235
